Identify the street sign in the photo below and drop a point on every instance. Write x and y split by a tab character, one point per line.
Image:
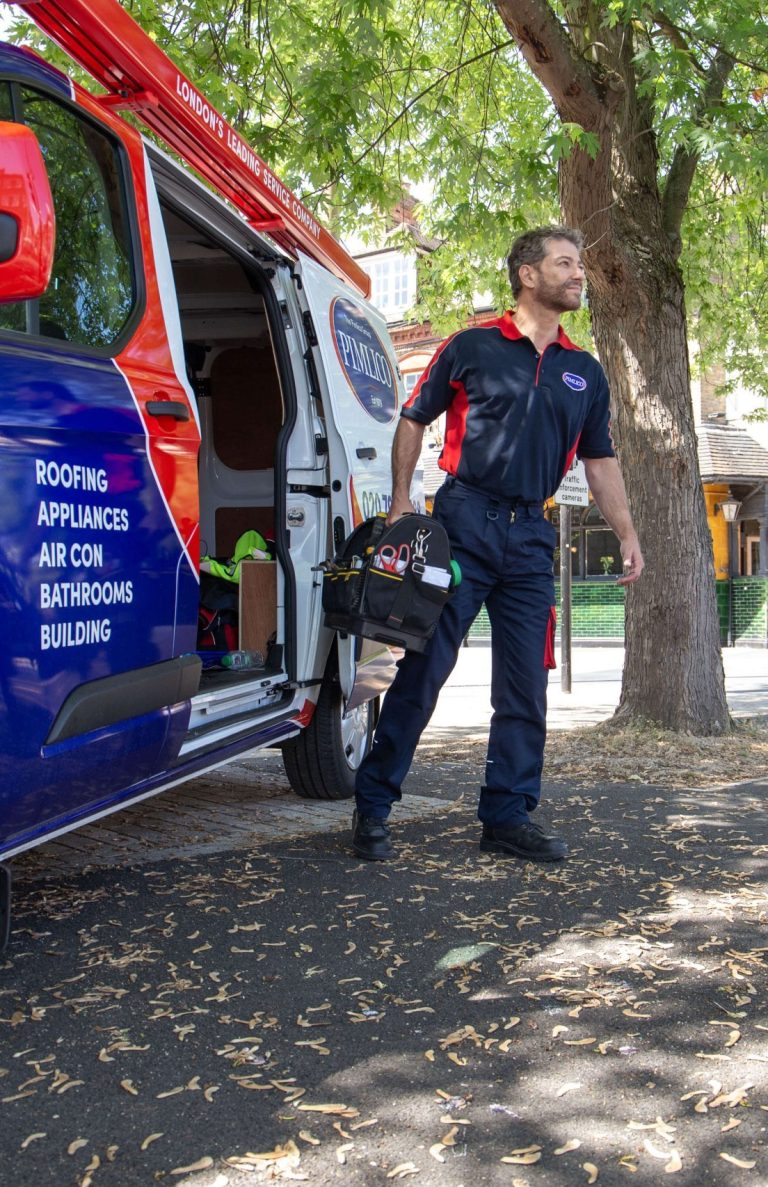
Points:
573	490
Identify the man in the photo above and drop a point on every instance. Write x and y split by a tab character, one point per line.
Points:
520	401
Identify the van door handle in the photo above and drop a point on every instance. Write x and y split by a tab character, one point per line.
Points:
174	408
366	451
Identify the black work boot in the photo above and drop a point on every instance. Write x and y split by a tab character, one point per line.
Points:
370	838
525	840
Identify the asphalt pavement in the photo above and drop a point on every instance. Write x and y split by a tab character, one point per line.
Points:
200	993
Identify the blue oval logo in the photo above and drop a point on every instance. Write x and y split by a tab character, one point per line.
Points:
364	360
575	382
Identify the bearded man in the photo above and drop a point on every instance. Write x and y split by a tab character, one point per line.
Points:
520	401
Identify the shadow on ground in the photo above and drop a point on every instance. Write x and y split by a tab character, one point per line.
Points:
423	1019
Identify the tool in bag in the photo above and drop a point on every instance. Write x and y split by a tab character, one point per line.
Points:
390	583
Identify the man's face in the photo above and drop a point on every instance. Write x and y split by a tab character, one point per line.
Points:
557	281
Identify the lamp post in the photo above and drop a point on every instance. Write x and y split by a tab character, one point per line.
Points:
729	509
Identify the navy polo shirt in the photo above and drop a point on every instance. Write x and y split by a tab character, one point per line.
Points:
514	418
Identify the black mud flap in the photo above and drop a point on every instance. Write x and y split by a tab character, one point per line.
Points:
5	906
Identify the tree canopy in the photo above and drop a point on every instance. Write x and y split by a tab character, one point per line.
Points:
352	100
647	128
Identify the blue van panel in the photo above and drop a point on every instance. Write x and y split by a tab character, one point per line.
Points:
90	572
70	779
155	781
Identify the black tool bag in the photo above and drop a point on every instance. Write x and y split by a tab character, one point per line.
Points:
390	583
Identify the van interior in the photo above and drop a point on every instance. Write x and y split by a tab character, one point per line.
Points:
232	369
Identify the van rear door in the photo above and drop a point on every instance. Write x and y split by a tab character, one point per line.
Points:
362	394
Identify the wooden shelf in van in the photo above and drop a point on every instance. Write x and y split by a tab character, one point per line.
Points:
258	604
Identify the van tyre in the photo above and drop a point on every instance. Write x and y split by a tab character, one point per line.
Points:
321	763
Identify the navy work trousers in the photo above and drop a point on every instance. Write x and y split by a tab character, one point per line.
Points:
506	559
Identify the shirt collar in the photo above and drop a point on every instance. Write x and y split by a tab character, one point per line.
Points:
506	324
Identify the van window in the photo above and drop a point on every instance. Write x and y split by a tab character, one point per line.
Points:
92	289
6	107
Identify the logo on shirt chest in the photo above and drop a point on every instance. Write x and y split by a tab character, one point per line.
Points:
574	382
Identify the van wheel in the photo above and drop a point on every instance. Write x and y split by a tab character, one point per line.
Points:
322	761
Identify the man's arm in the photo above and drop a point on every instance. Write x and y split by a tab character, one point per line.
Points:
607	486
406	449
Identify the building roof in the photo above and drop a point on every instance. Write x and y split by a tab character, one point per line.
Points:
730	454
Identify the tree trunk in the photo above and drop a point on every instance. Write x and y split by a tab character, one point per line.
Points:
673	671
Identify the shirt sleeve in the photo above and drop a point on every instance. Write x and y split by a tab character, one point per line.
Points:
435	390
596	440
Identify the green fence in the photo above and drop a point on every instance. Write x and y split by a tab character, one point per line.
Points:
598	611
750	610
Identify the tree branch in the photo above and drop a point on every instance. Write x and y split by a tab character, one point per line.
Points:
552	57
421	94
686	159
678	37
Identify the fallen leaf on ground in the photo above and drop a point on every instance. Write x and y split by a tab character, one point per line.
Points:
331	1109
591	1170
402	1170
654	1151
33	1137
572	1144
153	1137
202	1164
745	1164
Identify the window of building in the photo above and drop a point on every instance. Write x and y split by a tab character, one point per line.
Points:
410	379
595	549
92	290
750	547
393	282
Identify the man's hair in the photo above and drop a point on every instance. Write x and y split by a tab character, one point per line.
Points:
531	247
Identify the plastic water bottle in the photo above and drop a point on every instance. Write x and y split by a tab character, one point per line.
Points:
242	659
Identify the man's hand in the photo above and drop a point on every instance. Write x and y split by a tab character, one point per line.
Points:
399	508
607	486
633	561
